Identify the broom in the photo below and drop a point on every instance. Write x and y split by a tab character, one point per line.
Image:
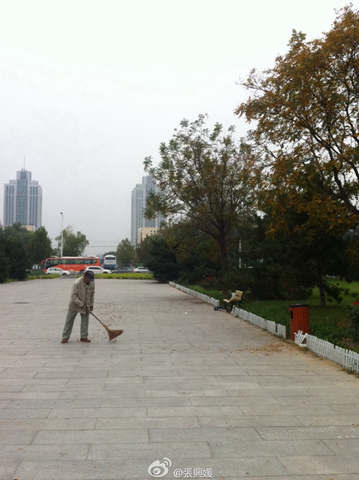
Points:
111	333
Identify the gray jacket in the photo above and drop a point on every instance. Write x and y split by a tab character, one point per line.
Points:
82	296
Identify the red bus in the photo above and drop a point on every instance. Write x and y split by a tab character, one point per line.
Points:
77	264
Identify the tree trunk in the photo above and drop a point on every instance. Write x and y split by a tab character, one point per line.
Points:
321	287
222	243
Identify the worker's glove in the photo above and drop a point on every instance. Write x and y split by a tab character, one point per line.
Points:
91	309
87	310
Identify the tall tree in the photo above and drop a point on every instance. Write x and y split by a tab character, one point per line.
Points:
155	253
16	240
39	245
306	113
4	259
203	175
197	253
74	244
125	253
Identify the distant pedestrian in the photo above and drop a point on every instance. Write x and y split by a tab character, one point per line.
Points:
82	301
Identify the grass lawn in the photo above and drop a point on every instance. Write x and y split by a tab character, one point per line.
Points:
330	323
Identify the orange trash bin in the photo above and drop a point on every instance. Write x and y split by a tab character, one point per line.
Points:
299	319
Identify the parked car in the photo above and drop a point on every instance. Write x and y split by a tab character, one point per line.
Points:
123	270
57	271
141	270
97	270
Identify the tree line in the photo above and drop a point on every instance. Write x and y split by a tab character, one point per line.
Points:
21	249
278	211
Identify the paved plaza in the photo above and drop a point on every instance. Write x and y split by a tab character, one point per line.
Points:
197	391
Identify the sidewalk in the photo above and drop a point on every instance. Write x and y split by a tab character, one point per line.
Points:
207	391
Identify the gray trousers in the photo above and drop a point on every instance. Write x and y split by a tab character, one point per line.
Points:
69	323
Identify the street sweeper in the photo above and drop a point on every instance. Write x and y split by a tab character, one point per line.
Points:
81	301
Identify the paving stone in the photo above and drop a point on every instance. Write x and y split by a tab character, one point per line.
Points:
176	401
18	373
7	469
16	437
49	424
97	412
63	403
148	422
345	409
232	401
5	389
26	395
145	450
192	411
344	446
46	437
101	393
321	464
83	470
310	420
251	421
320	432
263	409
20	413
247	448
198	434
122	381
31	403
48	452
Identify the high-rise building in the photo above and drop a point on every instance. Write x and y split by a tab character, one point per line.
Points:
138	207
23	201
137	212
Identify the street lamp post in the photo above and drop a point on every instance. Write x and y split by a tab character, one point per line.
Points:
62	234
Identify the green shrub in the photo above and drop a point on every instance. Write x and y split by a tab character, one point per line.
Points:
130	276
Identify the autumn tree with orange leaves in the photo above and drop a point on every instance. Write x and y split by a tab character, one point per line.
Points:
306	114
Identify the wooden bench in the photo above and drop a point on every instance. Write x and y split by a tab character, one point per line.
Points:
236	298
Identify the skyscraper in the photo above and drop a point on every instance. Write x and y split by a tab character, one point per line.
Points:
138	207
137	211
23	201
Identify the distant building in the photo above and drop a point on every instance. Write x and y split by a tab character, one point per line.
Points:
138	207
136	212
146	232
23	201
30	228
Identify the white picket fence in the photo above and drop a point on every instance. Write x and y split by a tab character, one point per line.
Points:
269	325
272	327
346	358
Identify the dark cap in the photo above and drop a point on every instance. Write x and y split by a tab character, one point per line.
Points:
89	274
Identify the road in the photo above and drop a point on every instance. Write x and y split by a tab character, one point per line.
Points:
185	385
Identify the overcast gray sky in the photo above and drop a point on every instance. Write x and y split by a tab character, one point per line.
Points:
88	88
